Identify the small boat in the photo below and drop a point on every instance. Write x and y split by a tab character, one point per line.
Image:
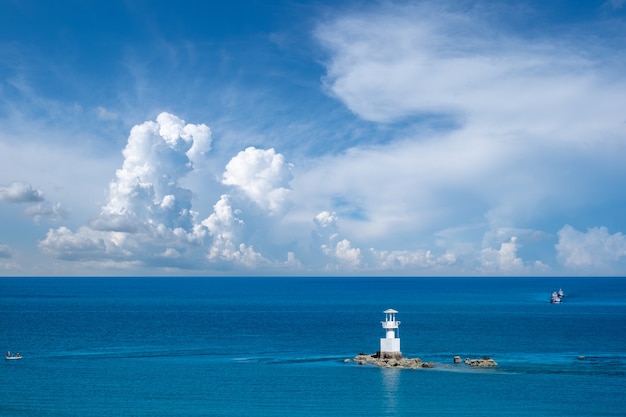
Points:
15	357
560	293
555	299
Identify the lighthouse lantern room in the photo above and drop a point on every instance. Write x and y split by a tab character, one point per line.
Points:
390	344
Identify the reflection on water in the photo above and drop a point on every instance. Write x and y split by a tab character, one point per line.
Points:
390	378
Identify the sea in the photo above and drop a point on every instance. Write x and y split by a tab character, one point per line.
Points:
95	347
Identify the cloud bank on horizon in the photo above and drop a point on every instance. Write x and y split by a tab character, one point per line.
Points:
432	140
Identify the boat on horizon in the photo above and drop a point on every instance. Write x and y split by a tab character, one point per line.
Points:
555	299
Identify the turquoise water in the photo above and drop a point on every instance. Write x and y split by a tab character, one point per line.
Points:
276	347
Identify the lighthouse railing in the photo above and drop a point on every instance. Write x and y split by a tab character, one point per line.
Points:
390	324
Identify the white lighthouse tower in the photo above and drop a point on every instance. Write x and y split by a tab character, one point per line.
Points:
390	344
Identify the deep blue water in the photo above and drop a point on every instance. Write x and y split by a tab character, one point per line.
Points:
276	347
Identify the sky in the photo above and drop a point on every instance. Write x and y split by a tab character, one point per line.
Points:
312	138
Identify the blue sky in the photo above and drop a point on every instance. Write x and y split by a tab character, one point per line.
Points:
312	138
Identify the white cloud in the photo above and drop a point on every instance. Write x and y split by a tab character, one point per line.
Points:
503	260
593	251
477	137
326	220
172	129
477	74
148	216
22	192
342	255
51	212
326	225
226	230
263	175
155	159
414	261
293	262
506	131
348	256
19	192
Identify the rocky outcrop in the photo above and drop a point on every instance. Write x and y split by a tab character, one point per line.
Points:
415	363
483	362
411	363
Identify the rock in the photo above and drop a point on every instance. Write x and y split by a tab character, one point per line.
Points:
412	363
415	363
483	362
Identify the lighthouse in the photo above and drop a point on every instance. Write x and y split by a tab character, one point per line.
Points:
390	344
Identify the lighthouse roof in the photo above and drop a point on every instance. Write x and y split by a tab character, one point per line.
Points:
390	311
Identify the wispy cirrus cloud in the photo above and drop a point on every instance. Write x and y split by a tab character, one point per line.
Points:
430	59
508	128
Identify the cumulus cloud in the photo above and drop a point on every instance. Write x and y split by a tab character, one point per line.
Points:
148	215
146	189
51	212
503	260
263	175
292	262
342	254
595	250
348	255
148	218
173	129
226	230
20	192
326	224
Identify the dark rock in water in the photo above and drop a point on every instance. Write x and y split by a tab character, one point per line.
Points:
484	362
391	362
415	363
